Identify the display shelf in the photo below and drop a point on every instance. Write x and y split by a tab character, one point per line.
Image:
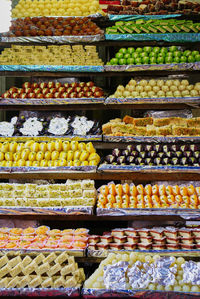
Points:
63	74
144	175
99	106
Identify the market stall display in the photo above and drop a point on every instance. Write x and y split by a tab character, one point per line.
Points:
157	7
155	238
55	8
144	272
72	193
54	90
42	238
156	89
48	154
155	55
148	126
38	270
149	196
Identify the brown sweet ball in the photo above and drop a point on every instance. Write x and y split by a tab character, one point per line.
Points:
18	33
48	32
33	32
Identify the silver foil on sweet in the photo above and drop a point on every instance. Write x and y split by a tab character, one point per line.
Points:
191	272
139	277
115	276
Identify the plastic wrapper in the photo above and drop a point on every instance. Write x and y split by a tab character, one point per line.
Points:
191	100
137	168
179	252
150	139
49	169
101	293
52	68
49	138
153	67
167	37
169	113
59	211
40	292
51	101
54	39
72	252
184	213
144	17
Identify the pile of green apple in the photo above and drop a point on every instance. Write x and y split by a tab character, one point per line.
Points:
153	55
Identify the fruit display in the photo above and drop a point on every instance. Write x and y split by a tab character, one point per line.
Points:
148	126
72	193
43	238
49	126
47	154
154	7
38	270
133	271
157	89
153	26
34	8
156	155
50	55
149	196
155	238
153	55
54	90
44	26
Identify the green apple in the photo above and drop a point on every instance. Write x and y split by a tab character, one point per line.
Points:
168	59
169	54
163	50
130	50
145	60
177	53
153	60
114	61
122	50
122	61
138	60
197	57
119	55
160	60
173	48
135	55
152	54
183	59
131	61
127	55
176	59
139	50
147	49
156	49
143	54
191	58
194	53
187	53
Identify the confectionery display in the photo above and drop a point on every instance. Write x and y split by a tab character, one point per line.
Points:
54	90
34	8
157	89
149	196
43	238
50	55
154	55
72	193
47	154
49	126
148	126
44	26
155	238
153	26
154	7
39	270
136	271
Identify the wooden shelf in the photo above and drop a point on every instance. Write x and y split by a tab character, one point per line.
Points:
144	74
147	175
63	107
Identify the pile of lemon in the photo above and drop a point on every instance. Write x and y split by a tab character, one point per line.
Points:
48	154
33	8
